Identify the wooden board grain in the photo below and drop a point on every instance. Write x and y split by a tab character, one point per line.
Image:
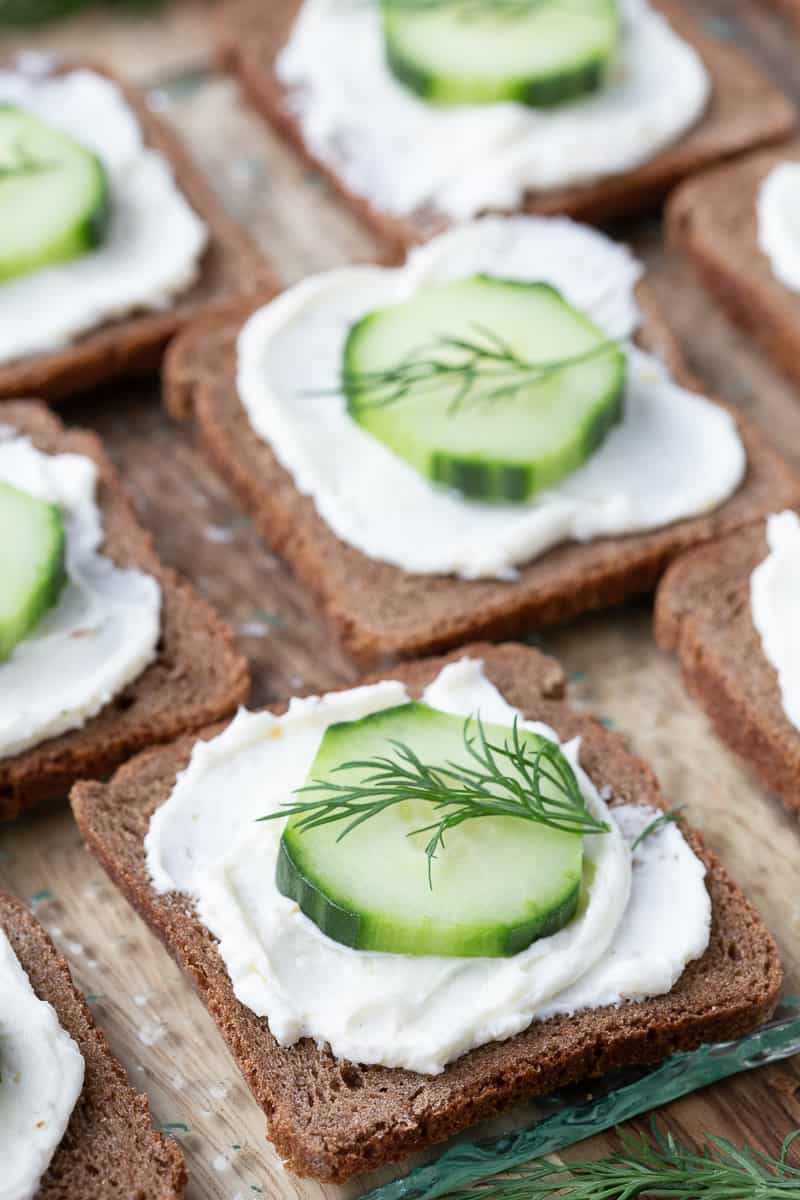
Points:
154	1022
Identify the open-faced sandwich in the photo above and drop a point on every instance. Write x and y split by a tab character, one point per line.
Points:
103	650
730	611
410	904
427	111
494	437
738	225
70	1123
109	238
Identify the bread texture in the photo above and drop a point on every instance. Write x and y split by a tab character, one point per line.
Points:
713	220
746	110
703	614
197	677
331	1119
110	1150
231	266
381	612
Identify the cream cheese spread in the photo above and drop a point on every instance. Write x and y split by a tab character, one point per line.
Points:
103	631
154	243
779	222
41	1077
675	454
648	914
774	605
405	155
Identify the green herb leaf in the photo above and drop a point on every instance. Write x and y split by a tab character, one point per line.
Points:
668	818
659	1166
507	780
482	369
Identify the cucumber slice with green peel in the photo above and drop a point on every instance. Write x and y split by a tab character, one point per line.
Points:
535	52
496	388
32	548
54	195
498	884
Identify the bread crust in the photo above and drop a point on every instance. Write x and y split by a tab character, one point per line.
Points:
380	612
331	1119
713	220
746	110
703	615
232	266
110	1149
197	677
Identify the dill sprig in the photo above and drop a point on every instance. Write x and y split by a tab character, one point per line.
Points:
484	368
659	1166
525	778
667	818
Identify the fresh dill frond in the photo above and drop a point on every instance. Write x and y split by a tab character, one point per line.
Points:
526	778
656	1166
482	369
667	818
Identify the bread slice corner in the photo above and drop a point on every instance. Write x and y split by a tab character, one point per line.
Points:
745	110
231	266
197	677
703	615
110	1146
331	1119
712	219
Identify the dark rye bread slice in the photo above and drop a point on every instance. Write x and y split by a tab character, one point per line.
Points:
110	1150
713	219
746	110
703	614
198	676
331	1119
381	612
231	266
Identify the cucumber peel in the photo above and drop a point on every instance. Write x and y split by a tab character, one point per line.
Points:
32	573
54	195
499	883
493	387
541	53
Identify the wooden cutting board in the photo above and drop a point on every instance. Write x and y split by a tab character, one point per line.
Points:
155	1024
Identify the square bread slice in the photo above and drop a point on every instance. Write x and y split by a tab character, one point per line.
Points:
110	1148
331	1119
746	110
713	219
703	614
380	611
198	676
231	266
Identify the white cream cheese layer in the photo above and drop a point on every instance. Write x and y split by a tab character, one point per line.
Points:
644	920
153	246
779	222
103	631
775	605
41	1077
675	454
404	154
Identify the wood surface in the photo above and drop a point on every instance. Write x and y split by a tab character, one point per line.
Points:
155	1024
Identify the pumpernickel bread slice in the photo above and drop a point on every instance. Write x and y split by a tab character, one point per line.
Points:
110	1150
746	110
198	676
332	1119
703	614
713	220
232	266
381	612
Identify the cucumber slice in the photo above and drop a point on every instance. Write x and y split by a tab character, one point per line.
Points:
499	883
54	197
32	547
489	447
535	52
